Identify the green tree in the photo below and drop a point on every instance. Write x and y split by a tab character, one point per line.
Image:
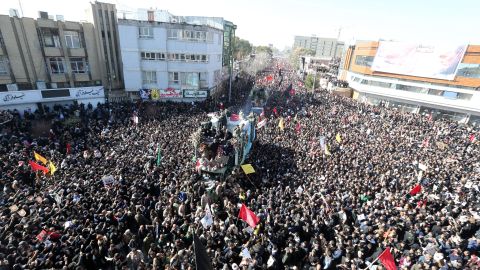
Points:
241	48
264	49
297	53
310	80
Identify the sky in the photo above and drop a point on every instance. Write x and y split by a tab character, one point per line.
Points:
276	22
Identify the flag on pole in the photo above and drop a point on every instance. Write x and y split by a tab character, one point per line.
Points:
38	157
387	259
281	124
69	148
159	157
37	167
338	138
52	168
327	152
248	216
248	168
202	260
416	189
275	110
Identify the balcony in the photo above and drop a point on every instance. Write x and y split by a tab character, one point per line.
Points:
60	77
81	77
46	23
52	51
76	52
72	26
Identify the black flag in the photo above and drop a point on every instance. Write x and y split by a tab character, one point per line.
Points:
201	257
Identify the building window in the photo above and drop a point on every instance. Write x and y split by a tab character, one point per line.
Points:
209	37
172	33
3	66
50	37
77	65
203	79
72	39
56	65
190	80
145	32
468	70
173	77
363	60
149	77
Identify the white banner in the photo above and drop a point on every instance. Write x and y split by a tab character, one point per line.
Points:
428	61
195	93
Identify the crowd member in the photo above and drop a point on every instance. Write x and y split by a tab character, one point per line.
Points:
331	189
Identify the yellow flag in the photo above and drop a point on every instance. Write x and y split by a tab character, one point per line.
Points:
327	152
248	169
38	157
281	124
338	138
52	168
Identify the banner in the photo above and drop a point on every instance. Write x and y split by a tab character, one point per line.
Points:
195	93
428	61
170	93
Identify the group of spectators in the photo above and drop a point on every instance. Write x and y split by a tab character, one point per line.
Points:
331	189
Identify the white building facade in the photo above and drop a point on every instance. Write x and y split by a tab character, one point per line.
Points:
170	60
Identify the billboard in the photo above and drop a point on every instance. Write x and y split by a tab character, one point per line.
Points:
439	62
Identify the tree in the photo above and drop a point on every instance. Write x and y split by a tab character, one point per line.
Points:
264	49
241	48
297	53
309	81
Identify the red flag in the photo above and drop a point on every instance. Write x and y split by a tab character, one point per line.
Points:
248	216
387	259
69	148
37	167
472	138
42	235
292	92
234	117
269	78
415	190
275	110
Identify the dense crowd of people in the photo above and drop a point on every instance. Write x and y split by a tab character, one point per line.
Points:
331	188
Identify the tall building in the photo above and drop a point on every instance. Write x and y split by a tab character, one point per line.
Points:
45	54
324	48
104	16
436	80
177	57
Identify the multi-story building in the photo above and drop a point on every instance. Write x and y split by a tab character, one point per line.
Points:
104	17
440	81
177	57
39	55
324	48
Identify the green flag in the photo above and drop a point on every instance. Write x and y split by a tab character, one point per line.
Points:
159	157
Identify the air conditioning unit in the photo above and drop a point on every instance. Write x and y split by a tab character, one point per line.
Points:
12	87
53	85
51	17
60	18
